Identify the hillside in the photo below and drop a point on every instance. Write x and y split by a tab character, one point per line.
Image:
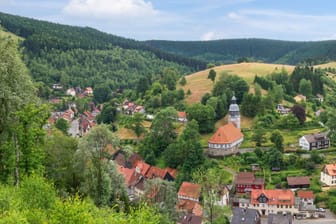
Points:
270	51
199	84
82	56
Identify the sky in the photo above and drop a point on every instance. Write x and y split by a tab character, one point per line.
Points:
298	20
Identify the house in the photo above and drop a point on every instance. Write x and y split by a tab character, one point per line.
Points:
88	91
283	110
279	219
319	97
318	112
131	179
189	191
306	204
225	141
246	181
298	182
223	196
271	201
306	196
328	175
57	86
245	216
189	219
156	172
300	98
71	92
182	116
314	141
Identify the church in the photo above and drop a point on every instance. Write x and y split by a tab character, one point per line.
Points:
228	138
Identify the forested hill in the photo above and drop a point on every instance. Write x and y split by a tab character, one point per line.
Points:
271	51
55	52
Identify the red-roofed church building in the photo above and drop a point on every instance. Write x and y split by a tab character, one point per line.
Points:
227	138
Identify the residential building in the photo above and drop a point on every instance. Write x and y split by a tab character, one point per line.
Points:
71	92
314	141
189	191
298	182
306	203
279	219
57	86
328	174
245	216
223	196
225	141
189	219
283	110
182	116
246	181
300	98
271	201
234	115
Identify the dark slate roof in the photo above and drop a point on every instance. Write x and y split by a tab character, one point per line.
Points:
190	219
279	219
245	216
311	138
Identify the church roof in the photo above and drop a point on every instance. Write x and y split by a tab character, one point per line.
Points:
226	134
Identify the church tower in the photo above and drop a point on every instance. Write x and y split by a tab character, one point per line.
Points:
234	116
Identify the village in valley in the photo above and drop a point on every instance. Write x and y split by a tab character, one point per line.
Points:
252	196
100	128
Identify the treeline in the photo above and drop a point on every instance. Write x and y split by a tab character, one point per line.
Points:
271	51
42	35
76	56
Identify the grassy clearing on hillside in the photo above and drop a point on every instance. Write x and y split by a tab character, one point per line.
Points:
327	65
198	83
4	34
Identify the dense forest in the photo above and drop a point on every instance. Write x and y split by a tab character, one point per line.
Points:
233	50
55	52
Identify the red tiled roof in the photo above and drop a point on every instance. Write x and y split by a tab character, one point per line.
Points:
228	133
143	167
186	205
129	174
133	159
330	169
197	210
275	197
156	172
191	190
182	114
298	180
305	194
248	178
172	172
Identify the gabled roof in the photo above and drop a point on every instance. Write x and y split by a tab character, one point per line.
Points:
156	172
275	197
245	216
248	178
330	169
191	190
226	134
311	138
190	219
181	114
305	194
130	175
142	167
304	180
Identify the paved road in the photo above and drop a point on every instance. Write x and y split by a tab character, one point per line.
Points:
74	128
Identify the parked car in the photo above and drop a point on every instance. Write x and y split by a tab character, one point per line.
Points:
321	210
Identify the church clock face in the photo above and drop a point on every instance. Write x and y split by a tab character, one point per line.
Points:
262	199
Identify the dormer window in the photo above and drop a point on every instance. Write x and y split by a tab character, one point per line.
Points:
262	199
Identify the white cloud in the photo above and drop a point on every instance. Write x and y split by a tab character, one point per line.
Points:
208	36
105	9
279	24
